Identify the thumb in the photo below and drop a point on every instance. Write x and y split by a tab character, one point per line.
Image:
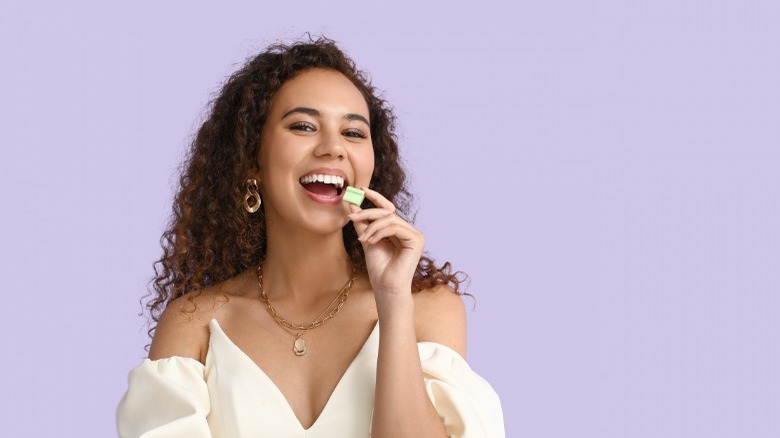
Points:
360	225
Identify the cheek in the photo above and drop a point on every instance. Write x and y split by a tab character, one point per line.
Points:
366	168
277	158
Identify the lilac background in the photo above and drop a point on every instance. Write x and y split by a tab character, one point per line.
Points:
606	172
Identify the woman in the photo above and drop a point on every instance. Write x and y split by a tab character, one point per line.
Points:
287	312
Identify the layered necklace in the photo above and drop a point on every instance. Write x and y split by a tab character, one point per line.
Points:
299	345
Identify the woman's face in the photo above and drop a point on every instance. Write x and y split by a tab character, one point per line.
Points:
317	126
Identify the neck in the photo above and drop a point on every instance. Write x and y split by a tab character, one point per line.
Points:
304	267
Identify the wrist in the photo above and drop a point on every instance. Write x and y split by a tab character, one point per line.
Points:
395	306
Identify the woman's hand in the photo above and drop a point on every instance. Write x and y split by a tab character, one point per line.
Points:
392	246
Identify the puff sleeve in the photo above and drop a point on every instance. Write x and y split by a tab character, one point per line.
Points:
165	398
467	404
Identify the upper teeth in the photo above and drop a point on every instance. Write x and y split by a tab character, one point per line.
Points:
327	179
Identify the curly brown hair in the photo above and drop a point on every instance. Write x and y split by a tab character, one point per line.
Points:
210	236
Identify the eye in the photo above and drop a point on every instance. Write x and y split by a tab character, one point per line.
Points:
303	126
355	133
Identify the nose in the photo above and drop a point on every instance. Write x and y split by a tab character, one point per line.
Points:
331	144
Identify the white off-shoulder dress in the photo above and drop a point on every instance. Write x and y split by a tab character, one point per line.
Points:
231	397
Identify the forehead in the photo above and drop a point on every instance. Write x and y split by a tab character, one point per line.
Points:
322	89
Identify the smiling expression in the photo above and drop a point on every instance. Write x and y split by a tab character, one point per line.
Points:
316	137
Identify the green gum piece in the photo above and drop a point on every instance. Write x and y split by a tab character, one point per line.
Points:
353	196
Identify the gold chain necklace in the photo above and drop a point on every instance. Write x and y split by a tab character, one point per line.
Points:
299	346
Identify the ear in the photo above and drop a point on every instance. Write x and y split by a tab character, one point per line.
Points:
255	176
256	170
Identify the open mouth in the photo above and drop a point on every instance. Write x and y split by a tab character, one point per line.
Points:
323	185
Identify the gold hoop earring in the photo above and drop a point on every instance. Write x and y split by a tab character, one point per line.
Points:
252	192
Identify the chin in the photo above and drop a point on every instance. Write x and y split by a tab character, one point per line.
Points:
325	224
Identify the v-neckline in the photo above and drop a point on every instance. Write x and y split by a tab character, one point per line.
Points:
214	324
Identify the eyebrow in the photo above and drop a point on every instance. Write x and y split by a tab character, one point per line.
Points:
315	113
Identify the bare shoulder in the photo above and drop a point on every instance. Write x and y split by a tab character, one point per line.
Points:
440	316
183	328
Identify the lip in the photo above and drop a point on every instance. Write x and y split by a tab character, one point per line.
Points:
327	200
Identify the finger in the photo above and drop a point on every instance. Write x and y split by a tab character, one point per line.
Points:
375	225
370	214
401	235
378	199
359	224
369	235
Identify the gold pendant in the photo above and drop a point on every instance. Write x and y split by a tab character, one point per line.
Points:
299	347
